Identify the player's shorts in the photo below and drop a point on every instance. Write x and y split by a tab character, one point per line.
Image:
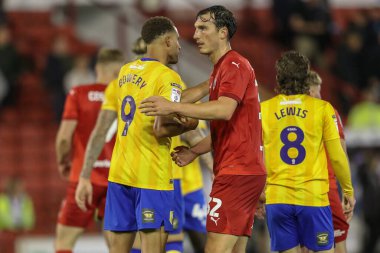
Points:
132	209
178	208
232	204
339	220
291	225
195	211
71	215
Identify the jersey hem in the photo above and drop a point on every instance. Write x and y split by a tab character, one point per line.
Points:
149	187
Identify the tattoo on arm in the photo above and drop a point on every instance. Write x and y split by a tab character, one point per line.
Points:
97	141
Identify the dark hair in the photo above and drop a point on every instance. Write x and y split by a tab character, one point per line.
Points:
109	55
313	79
155	27
223	18
292	70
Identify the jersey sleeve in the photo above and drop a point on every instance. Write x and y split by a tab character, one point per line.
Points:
235	78
171	86
71	105
340	125
330	125
110	97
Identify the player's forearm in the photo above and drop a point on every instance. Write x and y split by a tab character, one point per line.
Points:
340	165
196	93
213	110
204	146
63	149
97	140
93	150
167	127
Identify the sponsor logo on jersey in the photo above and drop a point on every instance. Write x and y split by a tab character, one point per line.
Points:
338	233
96	96
139	67
176	85
322	238
102	164
147	215
176	95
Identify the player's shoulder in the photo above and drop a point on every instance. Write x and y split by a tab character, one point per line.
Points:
234	59
269	101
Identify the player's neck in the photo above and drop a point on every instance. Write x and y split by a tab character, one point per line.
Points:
219	53
158	54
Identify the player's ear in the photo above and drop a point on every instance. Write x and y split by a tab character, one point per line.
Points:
168	41
223	33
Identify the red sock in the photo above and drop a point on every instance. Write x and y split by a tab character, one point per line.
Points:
63	251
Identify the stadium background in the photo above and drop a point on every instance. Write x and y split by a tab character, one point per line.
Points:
346	56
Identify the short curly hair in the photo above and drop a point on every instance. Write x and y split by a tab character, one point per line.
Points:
313	79
292	70
155	27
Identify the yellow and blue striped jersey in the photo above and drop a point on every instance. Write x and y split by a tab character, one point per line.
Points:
139	159
294	129
192	174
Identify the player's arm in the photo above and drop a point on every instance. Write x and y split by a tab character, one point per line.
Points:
83	193
196	93
63	144
184	155
167	126
97	140
221	109
193	138
341	169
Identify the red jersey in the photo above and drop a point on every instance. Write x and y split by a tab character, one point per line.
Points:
237	143
83	105
332	179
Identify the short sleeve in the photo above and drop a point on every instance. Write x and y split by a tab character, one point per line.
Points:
110	96
235	77
171	86
71	105
330	125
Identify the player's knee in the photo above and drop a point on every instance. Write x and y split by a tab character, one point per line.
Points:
174	247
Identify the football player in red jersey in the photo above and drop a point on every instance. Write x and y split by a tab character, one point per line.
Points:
81	110
340	218
234	111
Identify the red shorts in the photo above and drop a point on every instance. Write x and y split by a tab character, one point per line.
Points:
232	205
339	220
71	215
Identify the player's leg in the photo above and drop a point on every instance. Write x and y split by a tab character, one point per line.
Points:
120	217
240	245
315	228
233	200
72	221
154	215
195	219
340	224
176	236
282	223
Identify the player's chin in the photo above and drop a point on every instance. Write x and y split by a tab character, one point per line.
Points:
174	60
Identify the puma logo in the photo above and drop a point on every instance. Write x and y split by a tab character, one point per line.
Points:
237	64
215	220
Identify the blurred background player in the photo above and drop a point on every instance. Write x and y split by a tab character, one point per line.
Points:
79	117
139	48
340	221
136	202
297	204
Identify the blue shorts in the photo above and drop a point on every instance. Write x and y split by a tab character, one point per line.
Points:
292	225
132	209
179	208
195	211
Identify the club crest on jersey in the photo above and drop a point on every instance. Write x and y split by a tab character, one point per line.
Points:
147	215
322	238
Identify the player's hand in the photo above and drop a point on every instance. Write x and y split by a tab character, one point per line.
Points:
83	193
64	170
260	208
348	206
183	156
156	106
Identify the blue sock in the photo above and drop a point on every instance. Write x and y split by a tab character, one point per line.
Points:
133	250
174	247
